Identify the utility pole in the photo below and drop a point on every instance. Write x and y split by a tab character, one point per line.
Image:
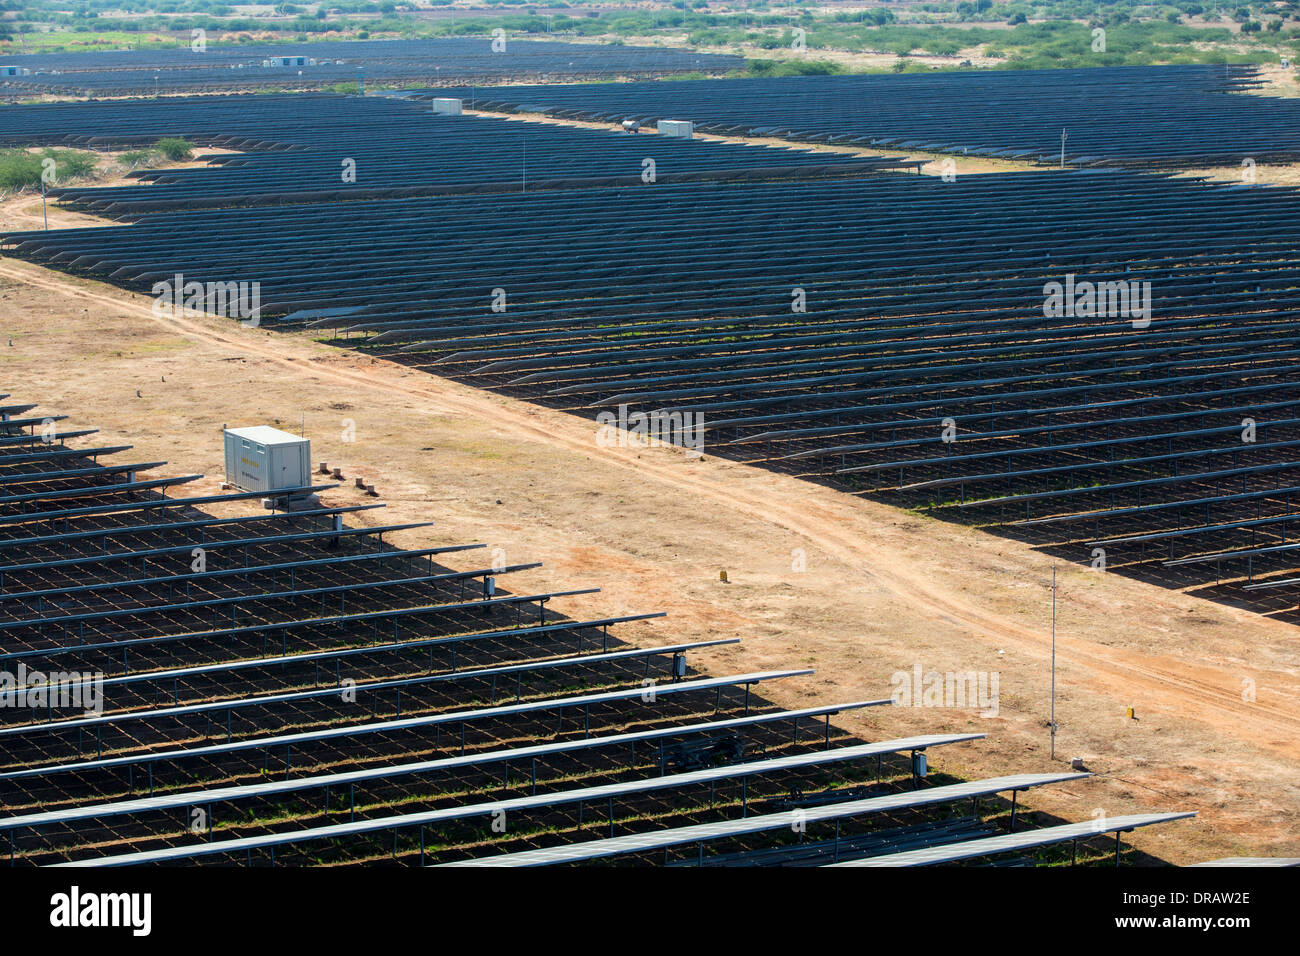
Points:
1053	660
1062	149
44	215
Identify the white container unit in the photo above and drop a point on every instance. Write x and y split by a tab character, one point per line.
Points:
446	106
680	129
262	458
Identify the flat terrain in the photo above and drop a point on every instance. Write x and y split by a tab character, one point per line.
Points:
818	578
935	164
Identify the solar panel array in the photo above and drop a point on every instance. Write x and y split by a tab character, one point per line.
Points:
1147	116
356	150
304	694
451	60
315	148
891	333
277	687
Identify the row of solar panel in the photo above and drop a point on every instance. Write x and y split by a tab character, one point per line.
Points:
1148	116
321	64
331	148
1041	406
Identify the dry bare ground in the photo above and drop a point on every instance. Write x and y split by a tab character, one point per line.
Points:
935	164
881	591
1277	174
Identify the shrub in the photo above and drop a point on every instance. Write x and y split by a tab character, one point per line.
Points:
19	169
70	164
175	149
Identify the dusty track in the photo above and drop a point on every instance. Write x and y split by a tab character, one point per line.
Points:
833	522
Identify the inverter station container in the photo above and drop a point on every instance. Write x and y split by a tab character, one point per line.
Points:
446	106
262	458
680	129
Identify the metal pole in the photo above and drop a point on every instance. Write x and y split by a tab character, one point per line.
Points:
44	215
1062	149
1053	660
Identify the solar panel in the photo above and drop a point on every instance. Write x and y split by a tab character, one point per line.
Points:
701	833
165	713
314	65
1252	861
1012	842
291	740
587	794
1204	118
216	795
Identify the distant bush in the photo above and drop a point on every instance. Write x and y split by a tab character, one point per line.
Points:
70	164
792	68
175	149
20	169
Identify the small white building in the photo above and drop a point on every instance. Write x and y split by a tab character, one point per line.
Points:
262	458
679	129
